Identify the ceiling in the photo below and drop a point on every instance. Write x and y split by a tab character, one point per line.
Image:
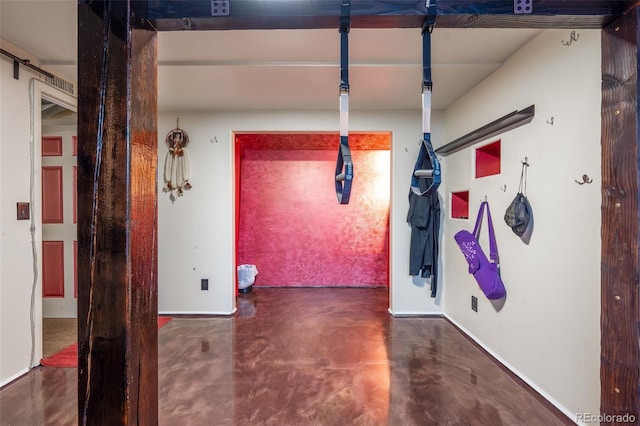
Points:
279	69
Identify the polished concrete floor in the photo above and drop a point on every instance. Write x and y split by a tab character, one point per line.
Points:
307	356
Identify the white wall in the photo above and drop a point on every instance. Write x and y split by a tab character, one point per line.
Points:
196	236
16	275
548	331
17	261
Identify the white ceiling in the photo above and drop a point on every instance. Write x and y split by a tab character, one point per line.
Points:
279	69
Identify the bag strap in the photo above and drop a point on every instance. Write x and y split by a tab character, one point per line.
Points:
493	246
476	229
523	180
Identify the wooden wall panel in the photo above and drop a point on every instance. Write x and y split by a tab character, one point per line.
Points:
52	196
75	269
74	193
117	216
52	146
620	319
53	269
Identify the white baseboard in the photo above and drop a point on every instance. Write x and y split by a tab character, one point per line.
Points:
211	313
571	416
415	314
14	377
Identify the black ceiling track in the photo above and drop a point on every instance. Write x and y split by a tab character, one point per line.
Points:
177	15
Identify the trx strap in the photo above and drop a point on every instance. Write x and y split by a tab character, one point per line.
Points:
344	165
426	174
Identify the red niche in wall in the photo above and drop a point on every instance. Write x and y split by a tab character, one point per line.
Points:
290	224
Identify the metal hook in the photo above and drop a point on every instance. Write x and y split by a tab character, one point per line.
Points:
214	139
550	120
585	179
525	162
504	188
574	37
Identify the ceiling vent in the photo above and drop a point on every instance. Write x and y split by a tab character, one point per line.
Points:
62	84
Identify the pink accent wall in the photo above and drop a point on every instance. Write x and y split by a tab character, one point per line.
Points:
291	225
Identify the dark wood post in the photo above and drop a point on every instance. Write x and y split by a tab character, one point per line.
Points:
619	372
117	216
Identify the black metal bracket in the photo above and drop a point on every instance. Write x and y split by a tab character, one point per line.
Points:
27	63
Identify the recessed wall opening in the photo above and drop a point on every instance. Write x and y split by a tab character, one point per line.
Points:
488	160
460	205
289	222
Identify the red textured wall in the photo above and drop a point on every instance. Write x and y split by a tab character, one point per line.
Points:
291	225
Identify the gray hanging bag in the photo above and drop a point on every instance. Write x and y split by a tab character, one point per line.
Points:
518	214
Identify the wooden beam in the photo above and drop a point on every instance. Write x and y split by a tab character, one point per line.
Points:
117	217
620	319
178	15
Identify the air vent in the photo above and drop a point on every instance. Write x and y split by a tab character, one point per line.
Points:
62	84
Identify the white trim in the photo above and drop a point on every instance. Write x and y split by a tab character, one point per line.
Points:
14	377
197	312
415	314
570	415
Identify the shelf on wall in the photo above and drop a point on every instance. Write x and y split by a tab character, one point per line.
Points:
503	124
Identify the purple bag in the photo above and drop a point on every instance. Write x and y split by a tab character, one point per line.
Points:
486	273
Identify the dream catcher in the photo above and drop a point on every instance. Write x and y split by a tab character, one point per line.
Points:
177	170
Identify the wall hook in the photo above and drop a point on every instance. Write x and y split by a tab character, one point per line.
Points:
550	120
504	188
585	179
214	139
574	37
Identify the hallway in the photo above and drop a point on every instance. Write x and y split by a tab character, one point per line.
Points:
307	356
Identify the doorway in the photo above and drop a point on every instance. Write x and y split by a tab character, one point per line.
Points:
289	223
58	177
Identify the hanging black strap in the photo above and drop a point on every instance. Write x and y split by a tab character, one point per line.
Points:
426	176
344	165
345	26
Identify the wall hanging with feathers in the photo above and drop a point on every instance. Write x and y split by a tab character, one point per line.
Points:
177	170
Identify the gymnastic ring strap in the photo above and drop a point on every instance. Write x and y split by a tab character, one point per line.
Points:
426	177
344	164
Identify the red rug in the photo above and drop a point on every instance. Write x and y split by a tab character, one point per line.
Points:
68	357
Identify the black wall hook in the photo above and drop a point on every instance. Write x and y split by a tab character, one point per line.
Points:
585	179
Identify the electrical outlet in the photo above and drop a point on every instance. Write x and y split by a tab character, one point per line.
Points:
204	284
474	304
